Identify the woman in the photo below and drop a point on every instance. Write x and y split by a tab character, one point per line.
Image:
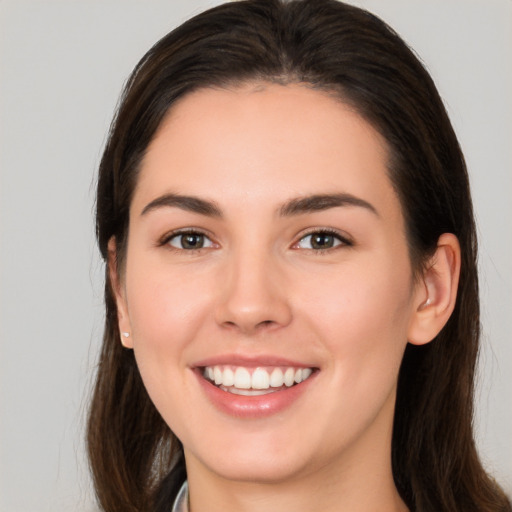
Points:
291	291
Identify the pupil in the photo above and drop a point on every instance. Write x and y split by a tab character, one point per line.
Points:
192	241
322	241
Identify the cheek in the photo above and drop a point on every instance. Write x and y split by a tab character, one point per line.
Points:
362	312
166	314
162	297
167	309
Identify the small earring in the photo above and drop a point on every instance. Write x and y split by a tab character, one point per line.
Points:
124	336
426	303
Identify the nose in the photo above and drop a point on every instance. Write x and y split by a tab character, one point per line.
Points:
252	296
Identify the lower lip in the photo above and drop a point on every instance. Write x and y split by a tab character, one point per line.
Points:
259	406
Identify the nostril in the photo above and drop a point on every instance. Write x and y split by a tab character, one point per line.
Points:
265	324
259	326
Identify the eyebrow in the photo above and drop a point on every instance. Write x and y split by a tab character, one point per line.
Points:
319	202
188	203
296	206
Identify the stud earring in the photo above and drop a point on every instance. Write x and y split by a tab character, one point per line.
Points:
124	336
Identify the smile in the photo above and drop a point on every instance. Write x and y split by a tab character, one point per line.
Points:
240	380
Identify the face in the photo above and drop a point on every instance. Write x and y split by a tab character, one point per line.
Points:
267	286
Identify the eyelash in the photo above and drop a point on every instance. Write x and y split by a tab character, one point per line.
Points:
166	239
344	241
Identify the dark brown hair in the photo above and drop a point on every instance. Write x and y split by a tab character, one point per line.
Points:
137	462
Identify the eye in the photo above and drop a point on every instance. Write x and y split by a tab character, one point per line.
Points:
189	240
321	240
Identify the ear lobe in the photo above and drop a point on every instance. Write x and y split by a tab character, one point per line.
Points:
119	295
436	292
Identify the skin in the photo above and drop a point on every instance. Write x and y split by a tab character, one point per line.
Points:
258	288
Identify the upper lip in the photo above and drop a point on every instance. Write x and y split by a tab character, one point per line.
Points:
251	361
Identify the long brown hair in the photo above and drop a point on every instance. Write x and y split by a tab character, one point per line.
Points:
137	462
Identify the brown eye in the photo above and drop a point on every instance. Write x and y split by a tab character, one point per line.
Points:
320	241
190	241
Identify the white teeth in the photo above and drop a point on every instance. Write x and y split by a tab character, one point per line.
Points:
242	379
306	373
217	374
239	380
248	392
276	378
289	377
260	379
228	377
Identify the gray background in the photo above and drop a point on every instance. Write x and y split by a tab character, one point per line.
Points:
62	65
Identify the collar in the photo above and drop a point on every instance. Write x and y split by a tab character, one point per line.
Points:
181	502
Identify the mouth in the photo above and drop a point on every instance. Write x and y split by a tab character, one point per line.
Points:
258	381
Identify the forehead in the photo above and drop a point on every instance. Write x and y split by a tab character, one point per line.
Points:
264	142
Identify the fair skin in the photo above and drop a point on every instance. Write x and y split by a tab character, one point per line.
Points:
265	279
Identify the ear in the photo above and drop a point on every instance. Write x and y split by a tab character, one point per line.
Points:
436	292
119	295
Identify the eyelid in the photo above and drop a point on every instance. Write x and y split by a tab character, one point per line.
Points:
165	239
344	238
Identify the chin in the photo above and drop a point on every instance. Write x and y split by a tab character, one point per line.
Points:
261	468
270	456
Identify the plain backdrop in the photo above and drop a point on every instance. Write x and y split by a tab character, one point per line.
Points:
62	65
